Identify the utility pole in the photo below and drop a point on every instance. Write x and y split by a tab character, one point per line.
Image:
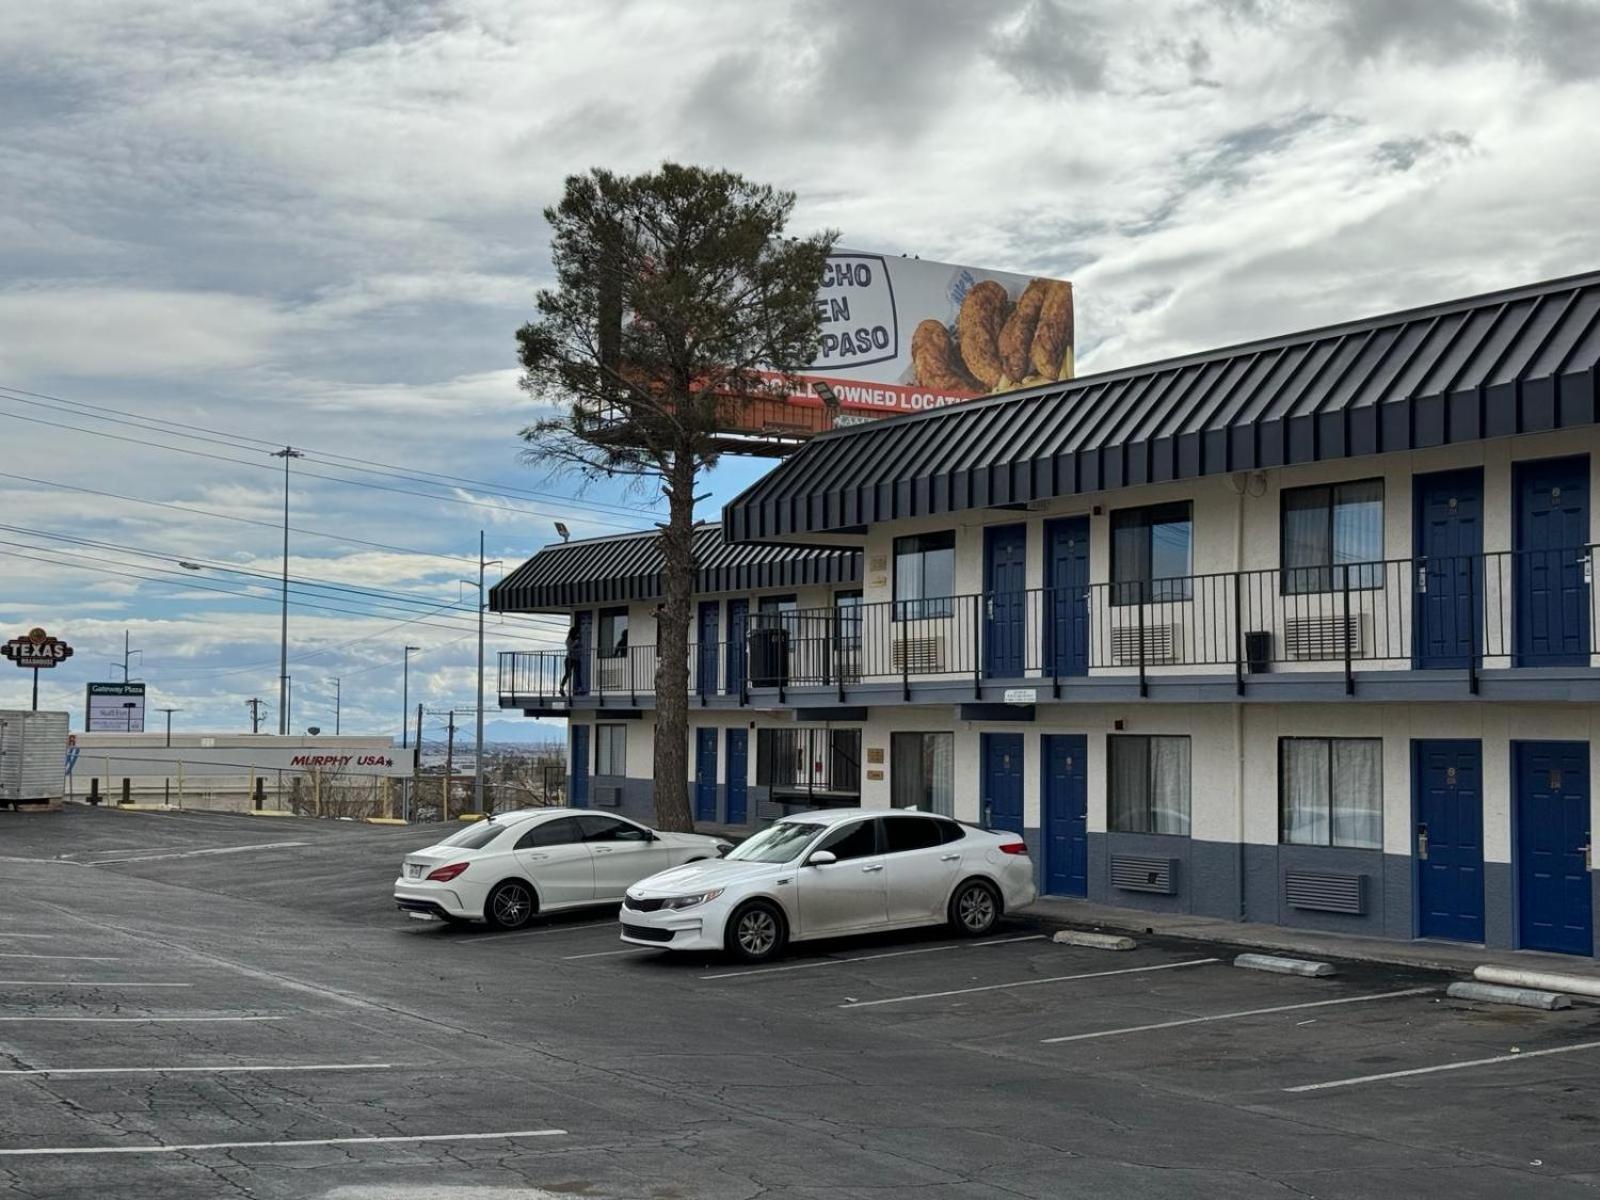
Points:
254	706
416	769
287	453
127	656
169	712
337	702
405	697
477	744
284	714
449	766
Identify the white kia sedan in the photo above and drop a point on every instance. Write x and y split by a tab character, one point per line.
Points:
510	866
829	873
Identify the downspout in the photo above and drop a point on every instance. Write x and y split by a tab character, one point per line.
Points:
1240	484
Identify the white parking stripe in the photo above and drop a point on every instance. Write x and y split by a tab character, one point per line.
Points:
65	957
87	983
229	1070
210	850
1230	1016
1455	1066
38	936
141	1020
607	953
999	987
479	939
344	1141
835	962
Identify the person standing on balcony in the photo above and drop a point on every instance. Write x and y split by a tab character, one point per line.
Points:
573	661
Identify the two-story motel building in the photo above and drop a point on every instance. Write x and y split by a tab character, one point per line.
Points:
1300	631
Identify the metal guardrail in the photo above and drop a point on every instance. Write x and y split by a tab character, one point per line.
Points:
1504	609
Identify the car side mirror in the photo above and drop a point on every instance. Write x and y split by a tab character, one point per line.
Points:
822	858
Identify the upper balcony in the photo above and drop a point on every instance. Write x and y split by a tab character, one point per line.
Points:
1502	625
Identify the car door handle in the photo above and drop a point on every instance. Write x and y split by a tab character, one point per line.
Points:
874	867
537	857
949	857
602	849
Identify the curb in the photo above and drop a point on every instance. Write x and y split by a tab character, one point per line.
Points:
1522	997
268	812
1095	941
1285	966
144	807
384	821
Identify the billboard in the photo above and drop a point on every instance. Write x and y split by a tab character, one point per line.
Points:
903	335
114	708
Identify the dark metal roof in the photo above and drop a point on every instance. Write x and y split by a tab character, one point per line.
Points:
614	570
1517	361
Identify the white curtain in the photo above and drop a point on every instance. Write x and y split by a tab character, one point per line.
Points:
1169	785
1130	784
942	773
1304	791
1357	784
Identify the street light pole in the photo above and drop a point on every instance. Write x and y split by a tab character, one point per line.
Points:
338	700
287	453
169	712
405	697
483	603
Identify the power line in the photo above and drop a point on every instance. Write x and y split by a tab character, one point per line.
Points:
142	420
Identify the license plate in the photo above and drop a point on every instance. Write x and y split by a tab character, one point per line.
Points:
413	871
416	916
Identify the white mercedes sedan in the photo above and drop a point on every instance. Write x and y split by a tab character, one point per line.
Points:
829	873
510	866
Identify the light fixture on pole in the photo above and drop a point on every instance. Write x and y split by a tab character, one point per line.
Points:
169	712
287	453
563	531
405	697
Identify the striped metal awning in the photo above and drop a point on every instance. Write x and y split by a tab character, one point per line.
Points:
1518	361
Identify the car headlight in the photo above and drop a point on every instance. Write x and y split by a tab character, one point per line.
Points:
691	901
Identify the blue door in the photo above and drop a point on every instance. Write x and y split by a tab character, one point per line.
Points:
1002	781
578	788
1066	581
738	631
705	774
1554	901
1552	536
1447	795
1005	601
710	649
1449	569
738	770
580	676
1066	814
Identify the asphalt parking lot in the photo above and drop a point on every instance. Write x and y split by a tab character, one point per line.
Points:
204	1006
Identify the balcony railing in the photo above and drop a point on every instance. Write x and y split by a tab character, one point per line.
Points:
1468	614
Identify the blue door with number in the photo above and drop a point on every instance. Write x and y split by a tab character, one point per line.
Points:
1002	781
1552	536
1067	596
1447	795
705	775
1554	900
1005	601
705	677
738	769
736	649
1066	814
578	788
580	672
1449	577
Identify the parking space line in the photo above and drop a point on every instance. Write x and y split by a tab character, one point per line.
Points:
1229	1016
140	1020
607	953
65	957
343	1141
835	962
225	1070
517	933
208	850
87	983
998	987
31	936
1454	1066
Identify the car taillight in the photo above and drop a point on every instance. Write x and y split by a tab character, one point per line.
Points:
446	874
1007	848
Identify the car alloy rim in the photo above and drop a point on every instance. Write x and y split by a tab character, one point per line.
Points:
757	932
511	905
977	908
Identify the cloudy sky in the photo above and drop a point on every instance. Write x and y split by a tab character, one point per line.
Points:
317	222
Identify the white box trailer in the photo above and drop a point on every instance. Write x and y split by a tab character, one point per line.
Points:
33	757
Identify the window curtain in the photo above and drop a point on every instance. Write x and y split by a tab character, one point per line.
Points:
1304	789
941	749
1357	785
1130	783
1169	785
1358	531
905	770
1307	544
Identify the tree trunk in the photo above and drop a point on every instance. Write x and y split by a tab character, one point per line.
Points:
672	651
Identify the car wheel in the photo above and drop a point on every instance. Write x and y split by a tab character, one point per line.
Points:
510	906
974	908
755	932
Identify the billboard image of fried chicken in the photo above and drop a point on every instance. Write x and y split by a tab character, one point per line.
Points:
999	342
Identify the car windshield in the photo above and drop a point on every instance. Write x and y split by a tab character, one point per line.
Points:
776	843
474	837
